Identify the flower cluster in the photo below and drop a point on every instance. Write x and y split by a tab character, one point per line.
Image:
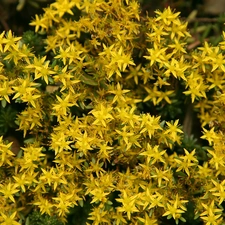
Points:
87	133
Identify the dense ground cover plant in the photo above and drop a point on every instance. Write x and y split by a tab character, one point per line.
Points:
100	105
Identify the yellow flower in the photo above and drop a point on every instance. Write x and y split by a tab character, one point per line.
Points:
164	96
60	142
62	107
119	94
9	220
121	59
219	191
102	115
25	88
189	156
205	171
21	181
32	154
48	176
217	160
84	143
153	154
196	85
2	41
118	216
5	153
127	115
211	214
107	51
157	32
135	73
63	203
156	200
9	190
160	176
210	135
125	135
150	124
68	55
10	41
39	21
215	58
44	205
148	220
178	30
167	16
174	210
104	151
128	204
98	216
177	47
156	54
173	131
173	68
216	80
44	71
186	162
99	195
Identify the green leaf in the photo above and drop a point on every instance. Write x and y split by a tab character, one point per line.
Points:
88	80
109	202
162	124
20	153
54	63
182	219
81	203
4	103
34	4
181	174
51	81
81	104
196	216
29	140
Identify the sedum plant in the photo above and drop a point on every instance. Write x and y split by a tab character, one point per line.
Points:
101	113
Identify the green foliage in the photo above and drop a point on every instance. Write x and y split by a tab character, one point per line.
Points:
34	41
36	218
7	119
